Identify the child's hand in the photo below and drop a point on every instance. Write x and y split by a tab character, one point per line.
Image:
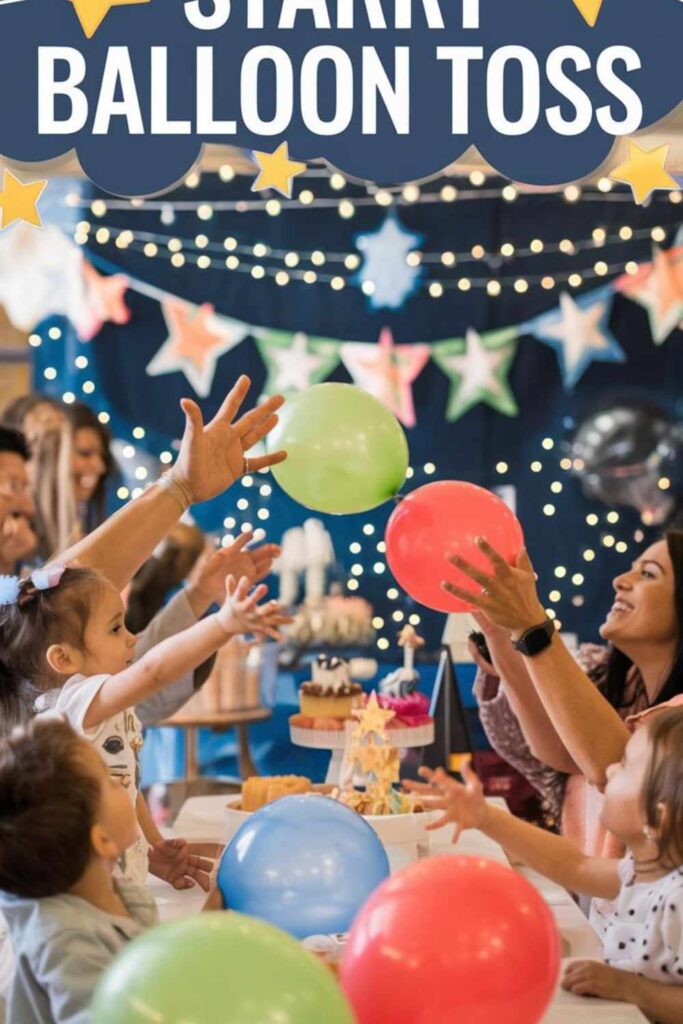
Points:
242	613
207	579
464	806
183	864
591	978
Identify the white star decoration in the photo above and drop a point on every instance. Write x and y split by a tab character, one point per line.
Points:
579	333
384	263
197	339
293	367
479	372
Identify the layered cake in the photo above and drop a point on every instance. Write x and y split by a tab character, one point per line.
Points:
330	694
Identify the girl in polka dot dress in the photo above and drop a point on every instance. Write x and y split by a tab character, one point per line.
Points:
637	907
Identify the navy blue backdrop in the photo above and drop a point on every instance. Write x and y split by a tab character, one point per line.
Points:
467	449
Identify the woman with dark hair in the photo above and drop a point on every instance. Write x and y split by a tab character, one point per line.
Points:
92	464
576	715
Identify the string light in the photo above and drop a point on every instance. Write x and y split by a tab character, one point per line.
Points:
354	585
502	467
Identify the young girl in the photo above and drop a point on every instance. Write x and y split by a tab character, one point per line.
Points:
637	907
63	629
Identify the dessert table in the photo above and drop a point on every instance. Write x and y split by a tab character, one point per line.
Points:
202	819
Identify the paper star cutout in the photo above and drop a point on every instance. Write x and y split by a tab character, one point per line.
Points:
384	263
590	9
294	361
18	200
277	171
372	718
197	339
658	286
107	295
387	371
91	13
478	368
579	333
644	171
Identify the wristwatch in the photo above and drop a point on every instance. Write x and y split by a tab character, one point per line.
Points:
536	639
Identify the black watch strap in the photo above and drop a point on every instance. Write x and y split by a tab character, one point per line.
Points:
536	639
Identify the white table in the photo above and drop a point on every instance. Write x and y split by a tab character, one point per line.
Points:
201	819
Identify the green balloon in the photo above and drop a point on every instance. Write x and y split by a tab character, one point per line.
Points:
346	451
218	968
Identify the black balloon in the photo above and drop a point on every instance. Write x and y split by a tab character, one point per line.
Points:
625	454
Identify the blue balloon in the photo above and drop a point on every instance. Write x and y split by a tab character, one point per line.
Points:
306	864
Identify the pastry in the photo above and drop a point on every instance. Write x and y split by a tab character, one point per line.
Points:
330	693
260	790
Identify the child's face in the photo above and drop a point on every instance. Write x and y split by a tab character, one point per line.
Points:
108	645
622	811
116	815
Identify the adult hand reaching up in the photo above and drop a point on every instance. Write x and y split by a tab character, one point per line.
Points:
213	455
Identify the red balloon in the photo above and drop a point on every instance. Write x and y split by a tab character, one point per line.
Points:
452	940
444	519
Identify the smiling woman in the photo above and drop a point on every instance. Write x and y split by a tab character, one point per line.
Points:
577	722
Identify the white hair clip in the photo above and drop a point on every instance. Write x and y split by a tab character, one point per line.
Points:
46	579
9	589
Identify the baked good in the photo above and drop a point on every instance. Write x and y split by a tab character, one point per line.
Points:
260	790
330	694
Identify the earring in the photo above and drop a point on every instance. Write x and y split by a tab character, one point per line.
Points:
648	833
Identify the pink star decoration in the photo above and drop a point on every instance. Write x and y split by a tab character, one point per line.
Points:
387	371
106	296
658	286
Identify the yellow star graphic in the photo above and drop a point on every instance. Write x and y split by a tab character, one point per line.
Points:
277	171
91	13
18	200
644	171
590	9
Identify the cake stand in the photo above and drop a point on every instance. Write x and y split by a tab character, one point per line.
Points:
335	741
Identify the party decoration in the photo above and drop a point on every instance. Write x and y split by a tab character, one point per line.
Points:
91	13
107	295
197	339
645	171
480	942
590	9
477	367
276	171
369	750
387	371
347	453
18	200
579	333
441	519
622	451
389	277
658	286
218	968
295	362
305	863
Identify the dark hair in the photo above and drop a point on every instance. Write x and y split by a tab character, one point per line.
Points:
664	785
38	619
82	417
15	413
619	665
48	805
13	441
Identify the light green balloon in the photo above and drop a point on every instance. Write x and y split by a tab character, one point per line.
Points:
346	451
218	968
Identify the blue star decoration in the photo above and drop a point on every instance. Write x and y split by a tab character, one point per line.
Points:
384	263
578	331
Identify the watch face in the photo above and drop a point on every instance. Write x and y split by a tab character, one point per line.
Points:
536	640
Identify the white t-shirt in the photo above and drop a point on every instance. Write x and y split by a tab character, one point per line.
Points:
118	741
642	929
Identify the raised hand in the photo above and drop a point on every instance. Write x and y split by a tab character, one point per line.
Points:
463	805
242	613
207	580
212	456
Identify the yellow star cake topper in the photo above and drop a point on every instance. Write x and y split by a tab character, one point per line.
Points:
91	13
276	171
644	171
18	201
590	9
372	718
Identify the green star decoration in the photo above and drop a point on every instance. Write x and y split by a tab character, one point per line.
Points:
295	362
477	367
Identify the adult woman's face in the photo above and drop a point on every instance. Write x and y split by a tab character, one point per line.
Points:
88	465
643	611
42	418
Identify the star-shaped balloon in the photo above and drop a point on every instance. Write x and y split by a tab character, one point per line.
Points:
107	296
385	263
478	367
197	339
579	333
295	361
658	286
387	371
